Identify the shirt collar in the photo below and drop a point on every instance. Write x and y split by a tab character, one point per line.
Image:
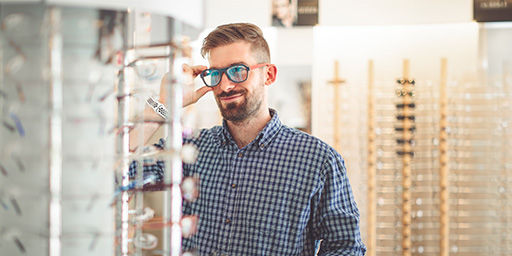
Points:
263	139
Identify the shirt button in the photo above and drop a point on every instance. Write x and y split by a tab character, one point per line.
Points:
262	146
228	221
240	154
233	185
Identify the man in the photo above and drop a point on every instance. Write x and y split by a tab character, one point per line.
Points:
265	189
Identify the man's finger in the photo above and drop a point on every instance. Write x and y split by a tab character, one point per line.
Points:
198	69
194	70
187	68
203	90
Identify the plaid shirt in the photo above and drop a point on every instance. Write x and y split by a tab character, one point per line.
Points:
279	195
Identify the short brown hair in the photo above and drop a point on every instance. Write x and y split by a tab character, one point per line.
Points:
235	32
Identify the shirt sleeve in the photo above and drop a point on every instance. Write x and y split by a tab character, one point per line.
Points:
149	168
336	218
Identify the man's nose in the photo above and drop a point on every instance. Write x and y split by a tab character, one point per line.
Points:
225	84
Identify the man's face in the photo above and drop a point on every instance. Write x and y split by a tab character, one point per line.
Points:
238	101
282	8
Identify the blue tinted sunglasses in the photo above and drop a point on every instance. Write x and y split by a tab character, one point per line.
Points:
236	73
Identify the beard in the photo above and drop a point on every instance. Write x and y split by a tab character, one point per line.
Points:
239	111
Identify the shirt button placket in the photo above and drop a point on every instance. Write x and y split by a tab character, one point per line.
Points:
233	185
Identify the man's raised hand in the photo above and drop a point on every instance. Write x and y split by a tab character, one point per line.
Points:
189	96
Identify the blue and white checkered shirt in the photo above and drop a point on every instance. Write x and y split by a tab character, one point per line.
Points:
279	195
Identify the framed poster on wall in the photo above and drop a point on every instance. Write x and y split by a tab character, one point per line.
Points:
492	10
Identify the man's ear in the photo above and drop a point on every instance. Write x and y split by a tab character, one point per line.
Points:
270	76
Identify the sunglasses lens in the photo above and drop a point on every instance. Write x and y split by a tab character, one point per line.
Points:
237	73
211	77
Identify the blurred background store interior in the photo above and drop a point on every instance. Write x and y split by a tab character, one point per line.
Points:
415	95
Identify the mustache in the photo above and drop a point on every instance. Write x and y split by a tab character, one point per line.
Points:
230	93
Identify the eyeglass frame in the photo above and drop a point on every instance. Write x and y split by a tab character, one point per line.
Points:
223	71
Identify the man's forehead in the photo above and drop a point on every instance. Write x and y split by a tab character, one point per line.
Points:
227	55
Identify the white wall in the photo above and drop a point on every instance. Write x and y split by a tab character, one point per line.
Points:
293	47
496	51
228	11
393	12
347	12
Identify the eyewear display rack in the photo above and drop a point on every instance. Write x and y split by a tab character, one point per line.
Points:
336	82
372	161
452	200
478	141
178	124
405	130
444	169
67	97
57	155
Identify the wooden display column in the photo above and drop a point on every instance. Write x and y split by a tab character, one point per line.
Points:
372	216
336	82
443	163
406	117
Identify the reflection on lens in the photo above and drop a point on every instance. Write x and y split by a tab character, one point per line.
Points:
15	64
95	76
190	188
214	77
146	241
237	73
189	153
147	71
13	21
189	225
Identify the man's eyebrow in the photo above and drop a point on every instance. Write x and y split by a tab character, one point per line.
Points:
234	63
